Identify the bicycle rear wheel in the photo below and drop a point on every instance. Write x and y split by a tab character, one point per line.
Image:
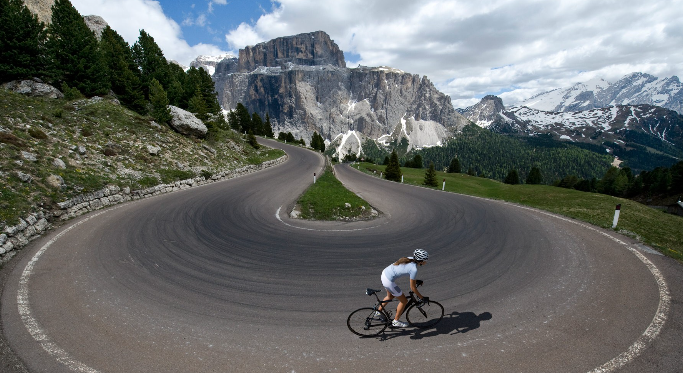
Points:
364	323
425	316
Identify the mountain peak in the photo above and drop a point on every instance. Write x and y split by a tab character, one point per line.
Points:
308	49
632	89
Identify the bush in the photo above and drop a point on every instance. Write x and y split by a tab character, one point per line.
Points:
148	181
205	174
36	133
171	175
71	93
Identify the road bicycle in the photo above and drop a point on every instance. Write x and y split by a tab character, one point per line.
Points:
371	321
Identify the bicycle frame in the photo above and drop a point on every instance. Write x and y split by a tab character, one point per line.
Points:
370	321
410	297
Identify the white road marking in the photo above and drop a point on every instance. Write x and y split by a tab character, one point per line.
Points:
619	361
31	323
658	320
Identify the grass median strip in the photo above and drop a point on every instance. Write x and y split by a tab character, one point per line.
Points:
655	228
328	199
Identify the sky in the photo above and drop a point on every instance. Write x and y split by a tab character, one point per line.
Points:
467	48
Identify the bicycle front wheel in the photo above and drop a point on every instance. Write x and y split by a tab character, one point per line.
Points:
425	316
364	323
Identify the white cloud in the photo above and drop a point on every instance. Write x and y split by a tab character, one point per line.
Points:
128	17
242	36
514	48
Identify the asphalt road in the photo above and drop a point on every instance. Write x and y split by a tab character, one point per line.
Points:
220	279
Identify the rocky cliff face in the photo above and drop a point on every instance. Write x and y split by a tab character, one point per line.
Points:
303	84
41	8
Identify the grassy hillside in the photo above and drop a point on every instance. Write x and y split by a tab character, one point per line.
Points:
655	228
52	150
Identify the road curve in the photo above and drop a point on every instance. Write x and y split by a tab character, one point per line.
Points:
219	278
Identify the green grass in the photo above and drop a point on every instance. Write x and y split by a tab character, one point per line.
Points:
655	228
327	198
115	141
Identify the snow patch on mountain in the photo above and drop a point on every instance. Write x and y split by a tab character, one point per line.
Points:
633	89
209	63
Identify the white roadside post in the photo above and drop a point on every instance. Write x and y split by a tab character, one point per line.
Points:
401	178
444	185
314	178
616	216
380	174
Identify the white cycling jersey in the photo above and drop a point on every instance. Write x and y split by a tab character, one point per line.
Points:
392	272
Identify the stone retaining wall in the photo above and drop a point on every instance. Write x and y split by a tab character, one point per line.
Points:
17	236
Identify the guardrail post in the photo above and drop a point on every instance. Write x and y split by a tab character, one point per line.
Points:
616	216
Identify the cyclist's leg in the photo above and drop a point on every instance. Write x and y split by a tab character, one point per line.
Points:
386	300
392	290
401	306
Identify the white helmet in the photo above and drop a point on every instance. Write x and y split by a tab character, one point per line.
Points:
420	255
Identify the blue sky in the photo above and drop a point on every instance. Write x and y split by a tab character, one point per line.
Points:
468	48
209	21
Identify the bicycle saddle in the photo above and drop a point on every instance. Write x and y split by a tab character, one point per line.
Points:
369	291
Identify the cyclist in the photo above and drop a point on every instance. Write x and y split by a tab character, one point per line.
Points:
406	266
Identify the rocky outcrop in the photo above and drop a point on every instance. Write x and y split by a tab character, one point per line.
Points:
312	49
34	88
186	123
303	84
96	24
41	8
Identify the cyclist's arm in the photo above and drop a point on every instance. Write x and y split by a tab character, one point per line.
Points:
413	287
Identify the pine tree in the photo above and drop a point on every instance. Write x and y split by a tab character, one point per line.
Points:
22	42
124	75
269	127
152	63
233	120
197	105
176	87
393	170
430	176
317	142
243	118
454	167
512	177
534	176
251	139
257	124
73	52
160	111
314	140
417	161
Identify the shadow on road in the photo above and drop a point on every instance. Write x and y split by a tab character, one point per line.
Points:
453	323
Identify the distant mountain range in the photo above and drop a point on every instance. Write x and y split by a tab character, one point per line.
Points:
645	135
632	89
303	83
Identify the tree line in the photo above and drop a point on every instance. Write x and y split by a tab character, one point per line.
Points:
68	55
662	181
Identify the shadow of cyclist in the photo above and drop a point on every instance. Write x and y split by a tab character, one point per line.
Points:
454	323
